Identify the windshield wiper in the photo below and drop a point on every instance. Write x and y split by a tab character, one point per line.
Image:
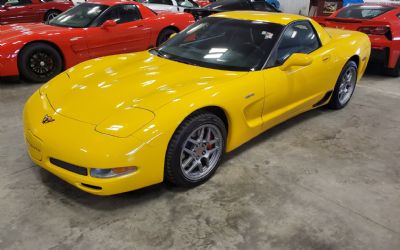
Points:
162	54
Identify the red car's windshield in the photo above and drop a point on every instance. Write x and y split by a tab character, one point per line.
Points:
364	11
80	16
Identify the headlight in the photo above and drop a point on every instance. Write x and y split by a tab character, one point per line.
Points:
111	172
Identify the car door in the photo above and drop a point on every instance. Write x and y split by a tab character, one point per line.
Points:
130	34
295	89
17	11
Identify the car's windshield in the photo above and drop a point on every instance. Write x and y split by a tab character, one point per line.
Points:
363	11
80	16
223	43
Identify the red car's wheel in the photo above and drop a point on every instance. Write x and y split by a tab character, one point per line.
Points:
39	62
50	15
165	35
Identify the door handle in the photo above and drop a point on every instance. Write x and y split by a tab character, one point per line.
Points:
326	58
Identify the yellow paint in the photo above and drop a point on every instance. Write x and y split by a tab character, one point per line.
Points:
110	112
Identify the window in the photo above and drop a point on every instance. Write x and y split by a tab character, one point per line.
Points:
120	14
262	6
299	37
80	16
187	4
363	12
230	5
15	2
223	43
166	2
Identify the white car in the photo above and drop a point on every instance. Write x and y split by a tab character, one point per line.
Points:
169	5
76	2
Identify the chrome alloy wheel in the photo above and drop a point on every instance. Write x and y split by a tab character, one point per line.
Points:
201	152
51	16
347	85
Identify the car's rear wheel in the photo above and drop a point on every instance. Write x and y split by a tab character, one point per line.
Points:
195	150
345	86
50	15
39	62
394	72
164	35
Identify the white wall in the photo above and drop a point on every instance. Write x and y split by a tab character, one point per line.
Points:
295	6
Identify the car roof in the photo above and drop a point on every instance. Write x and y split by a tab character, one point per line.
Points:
279	18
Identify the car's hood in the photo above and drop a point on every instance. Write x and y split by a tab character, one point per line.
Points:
16	32
95	89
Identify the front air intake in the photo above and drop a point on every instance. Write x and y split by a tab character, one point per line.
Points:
68	166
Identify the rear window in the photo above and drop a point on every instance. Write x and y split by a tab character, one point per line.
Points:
363	11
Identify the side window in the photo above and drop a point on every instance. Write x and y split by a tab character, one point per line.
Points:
187	3
262	6
166	2
299	37
121	14
16	2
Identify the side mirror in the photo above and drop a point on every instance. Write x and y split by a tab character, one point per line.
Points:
108	24
297	60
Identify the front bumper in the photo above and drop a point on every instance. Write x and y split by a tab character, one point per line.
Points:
79	145
8	65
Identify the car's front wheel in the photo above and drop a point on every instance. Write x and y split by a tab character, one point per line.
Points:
345	86
39	62
164	35
195	150
50	15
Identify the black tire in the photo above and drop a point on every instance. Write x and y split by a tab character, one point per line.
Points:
173	171
394	72
31	60
50	15
164	35
335	102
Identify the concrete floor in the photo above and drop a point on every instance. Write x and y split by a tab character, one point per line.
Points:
324	180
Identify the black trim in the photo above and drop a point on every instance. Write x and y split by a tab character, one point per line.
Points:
324	99
380	56
70	167
91	186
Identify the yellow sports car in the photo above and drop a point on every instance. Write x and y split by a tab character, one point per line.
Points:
123	122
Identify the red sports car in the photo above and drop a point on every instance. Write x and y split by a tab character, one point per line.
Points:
40	51
26	11
381	22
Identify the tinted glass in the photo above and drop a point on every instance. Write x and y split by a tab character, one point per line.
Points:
223	43
298	38
167	2
120	14
187	4
363	11
262	6
80	16
230	5
15	2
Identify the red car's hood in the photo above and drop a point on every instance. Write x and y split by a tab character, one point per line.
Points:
13	32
